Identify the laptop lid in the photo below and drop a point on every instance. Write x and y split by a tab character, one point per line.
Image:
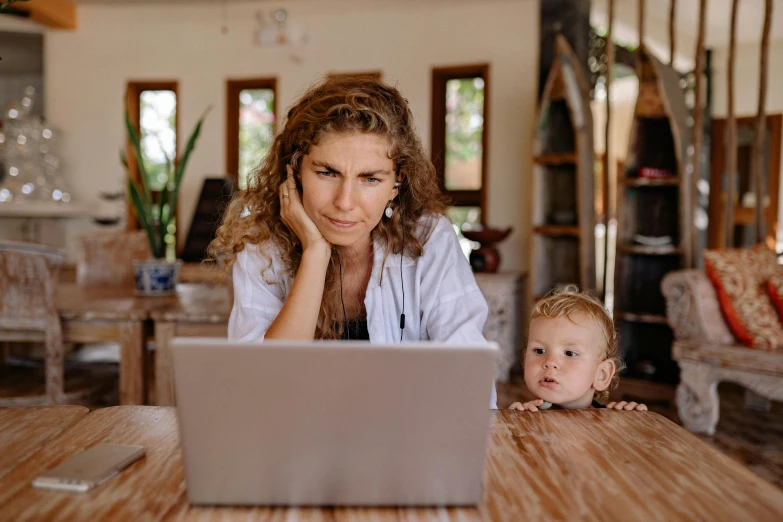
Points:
333	422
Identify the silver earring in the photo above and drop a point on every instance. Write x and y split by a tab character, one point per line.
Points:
389	211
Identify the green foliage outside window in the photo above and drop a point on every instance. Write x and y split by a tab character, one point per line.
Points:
256	129
464	131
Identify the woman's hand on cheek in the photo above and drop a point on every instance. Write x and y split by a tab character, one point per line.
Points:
293	214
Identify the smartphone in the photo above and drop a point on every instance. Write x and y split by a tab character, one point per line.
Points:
90	468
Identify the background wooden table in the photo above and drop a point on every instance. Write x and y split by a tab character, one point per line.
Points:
110	314
558	465
199	311
115	314
23	430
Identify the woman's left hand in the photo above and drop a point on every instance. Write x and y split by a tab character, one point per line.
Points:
627	406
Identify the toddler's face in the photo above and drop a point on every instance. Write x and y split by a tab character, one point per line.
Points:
564	360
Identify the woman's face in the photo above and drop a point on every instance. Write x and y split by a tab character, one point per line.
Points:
347	180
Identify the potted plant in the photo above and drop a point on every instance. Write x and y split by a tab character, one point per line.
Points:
155	212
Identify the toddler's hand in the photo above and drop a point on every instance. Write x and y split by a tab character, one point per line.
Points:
528	406
628	406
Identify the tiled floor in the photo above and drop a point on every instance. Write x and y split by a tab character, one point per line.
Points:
752	438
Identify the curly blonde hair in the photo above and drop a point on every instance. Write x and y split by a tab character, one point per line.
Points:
568	301
334	106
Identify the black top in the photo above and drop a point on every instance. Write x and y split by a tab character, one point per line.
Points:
356	330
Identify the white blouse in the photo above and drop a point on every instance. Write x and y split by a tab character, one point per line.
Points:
442	300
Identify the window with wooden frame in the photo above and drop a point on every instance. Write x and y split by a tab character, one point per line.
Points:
459	138
153	111
745	189
250	125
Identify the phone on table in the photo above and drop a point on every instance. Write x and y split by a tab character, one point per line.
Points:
90	468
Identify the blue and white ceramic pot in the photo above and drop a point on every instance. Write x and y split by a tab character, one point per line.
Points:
156	276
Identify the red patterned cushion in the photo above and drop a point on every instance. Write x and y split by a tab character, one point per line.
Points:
740	277
775	288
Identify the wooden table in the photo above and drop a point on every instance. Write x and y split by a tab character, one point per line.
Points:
116	314
110	314
23	430
199	311
557	465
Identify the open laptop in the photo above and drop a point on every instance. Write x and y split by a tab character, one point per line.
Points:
333	423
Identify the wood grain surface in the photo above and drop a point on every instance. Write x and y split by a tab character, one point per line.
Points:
105	302
556	465
23	430
197	303
769	362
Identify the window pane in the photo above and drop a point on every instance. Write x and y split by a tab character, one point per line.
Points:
158	123
256	129
462	218
464	131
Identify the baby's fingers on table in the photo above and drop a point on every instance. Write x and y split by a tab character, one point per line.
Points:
630	406
516	406
641	407
618	405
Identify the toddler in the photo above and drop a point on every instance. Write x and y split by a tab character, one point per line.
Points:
571	356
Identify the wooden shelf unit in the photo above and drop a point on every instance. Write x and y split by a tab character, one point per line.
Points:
648	250
564	158
652	207
562	247
651	182
557	230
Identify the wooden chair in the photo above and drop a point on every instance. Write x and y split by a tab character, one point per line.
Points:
107	258
28	311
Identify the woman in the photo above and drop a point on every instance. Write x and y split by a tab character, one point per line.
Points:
341	233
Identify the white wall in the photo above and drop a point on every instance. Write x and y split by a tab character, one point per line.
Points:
746	90
86	72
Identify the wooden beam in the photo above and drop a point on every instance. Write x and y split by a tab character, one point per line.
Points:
757	161
731	134
640	29
610	202
698	129
672	39
57	14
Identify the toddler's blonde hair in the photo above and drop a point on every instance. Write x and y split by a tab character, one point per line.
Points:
566	302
